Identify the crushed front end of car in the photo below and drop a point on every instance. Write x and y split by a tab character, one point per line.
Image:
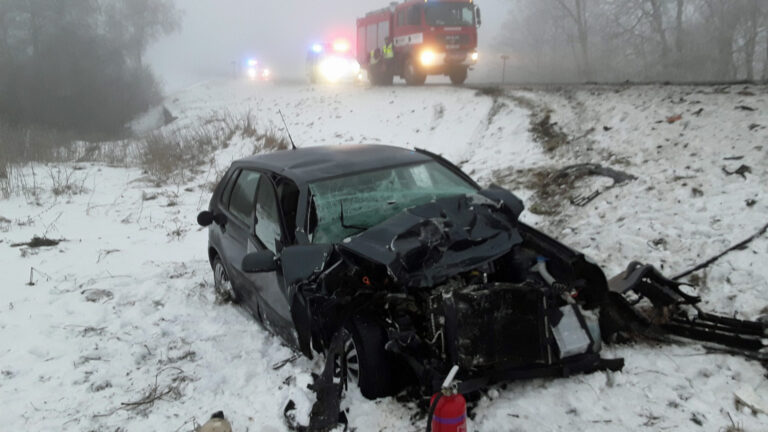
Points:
459	281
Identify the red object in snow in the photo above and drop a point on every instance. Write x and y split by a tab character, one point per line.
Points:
450	414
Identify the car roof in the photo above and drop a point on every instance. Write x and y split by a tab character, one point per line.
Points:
309	164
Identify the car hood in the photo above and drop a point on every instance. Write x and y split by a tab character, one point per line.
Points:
427	244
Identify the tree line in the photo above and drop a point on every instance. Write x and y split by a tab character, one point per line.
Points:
77	65
637	40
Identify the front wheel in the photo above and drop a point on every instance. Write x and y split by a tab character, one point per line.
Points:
413	76
222	284
369	365
458	76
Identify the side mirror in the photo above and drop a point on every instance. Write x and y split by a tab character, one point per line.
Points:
205	218
479	16
260	262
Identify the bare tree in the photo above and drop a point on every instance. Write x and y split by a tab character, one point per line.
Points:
141	22
676	40
725	17
577	11
58	54
679	27
657	23
750	38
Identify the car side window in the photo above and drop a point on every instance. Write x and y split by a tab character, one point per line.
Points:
227	193
288	195
243	192
267	227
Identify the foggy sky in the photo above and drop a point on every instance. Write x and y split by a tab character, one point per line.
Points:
217	32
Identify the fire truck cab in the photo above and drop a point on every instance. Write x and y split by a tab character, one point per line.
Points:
430	37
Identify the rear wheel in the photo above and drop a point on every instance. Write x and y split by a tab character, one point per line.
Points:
458	76
413	76
222	284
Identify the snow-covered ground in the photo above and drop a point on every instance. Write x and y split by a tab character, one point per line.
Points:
119	330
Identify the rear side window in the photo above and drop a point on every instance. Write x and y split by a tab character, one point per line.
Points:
228	190
243	192
267	215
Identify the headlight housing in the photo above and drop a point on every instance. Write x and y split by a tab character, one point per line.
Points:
428	57
475	56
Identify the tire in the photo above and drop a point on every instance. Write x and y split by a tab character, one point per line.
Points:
386	79
458	76
368	363
412	75
222	284
373	77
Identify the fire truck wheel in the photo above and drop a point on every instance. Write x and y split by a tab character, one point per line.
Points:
458	76
386	79
373	77
375	373
412	75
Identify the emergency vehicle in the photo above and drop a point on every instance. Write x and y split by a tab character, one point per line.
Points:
430	37
332	63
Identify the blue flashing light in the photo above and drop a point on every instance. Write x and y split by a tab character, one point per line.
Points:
317	48
252	62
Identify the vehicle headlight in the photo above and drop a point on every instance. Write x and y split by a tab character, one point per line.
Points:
333	69
475	56
428	57
355	67
252	74
266	73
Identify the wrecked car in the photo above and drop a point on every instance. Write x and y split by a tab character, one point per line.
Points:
405	267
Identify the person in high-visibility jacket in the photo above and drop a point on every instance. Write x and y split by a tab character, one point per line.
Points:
375	56
388	51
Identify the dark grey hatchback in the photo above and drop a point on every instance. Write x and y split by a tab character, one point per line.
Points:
409	260
397	267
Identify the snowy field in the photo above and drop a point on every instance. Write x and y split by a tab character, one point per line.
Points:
118	329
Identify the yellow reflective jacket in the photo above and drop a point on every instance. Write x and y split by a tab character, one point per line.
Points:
388	51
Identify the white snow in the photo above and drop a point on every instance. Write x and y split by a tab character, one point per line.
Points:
67	363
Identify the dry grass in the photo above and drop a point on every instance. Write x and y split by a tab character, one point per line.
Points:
271	141
175	155
178	155
66	181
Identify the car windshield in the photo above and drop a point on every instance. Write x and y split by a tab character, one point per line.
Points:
450	15
370	198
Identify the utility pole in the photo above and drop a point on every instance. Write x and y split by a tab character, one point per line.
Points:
504	59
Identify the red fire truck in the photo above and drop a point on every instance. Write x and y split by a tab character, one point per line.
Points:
430	37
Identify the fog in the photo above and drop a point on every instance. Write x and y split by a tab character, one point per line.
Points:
278	33
116	58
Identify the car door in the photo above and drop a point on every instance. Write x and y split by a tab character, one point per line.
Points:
238	204
267	234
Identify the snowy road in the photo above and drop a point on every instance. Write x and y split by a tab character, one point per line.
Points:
120	331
